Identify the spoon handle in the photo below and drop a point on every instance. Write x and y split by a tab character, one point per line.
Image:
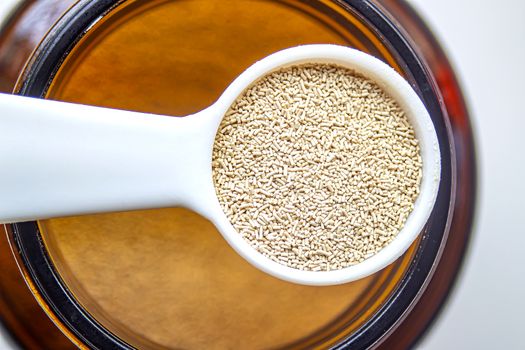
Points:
61	159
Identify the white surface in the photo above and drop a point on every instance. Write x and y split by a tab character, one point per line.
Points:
485	40
92	159
5	7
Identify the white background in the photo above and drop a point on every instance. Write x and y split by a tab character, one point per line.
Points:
485	40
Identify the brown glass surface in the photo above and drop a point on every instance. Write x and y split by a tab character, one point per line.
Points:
419	319
167	277
29	325
33	330
24	30
19	311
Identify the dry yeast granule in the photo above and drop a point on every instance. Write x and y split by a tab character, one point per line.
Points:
316	167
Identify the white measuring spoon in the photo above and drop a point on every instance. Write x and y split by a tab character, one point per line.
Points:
61	159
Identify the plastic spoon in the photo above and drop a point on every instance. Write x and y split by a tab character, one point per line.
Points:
60	159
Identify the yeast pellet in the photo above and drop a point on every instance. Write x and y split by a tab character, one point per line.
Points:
316	167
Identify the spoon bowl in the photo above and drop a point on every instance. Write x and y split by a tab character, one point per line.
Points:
76	159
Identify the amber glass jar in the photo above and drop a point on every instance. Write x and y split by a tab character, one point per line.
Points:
166	278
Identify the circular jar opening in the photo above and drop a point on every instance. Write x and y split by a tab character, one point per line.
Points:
166	278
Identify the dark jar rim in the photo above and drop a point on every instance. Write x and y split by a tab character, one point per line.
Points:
28	243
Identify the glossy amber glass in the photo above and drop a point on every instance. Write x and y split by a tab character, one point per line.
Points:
166	278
